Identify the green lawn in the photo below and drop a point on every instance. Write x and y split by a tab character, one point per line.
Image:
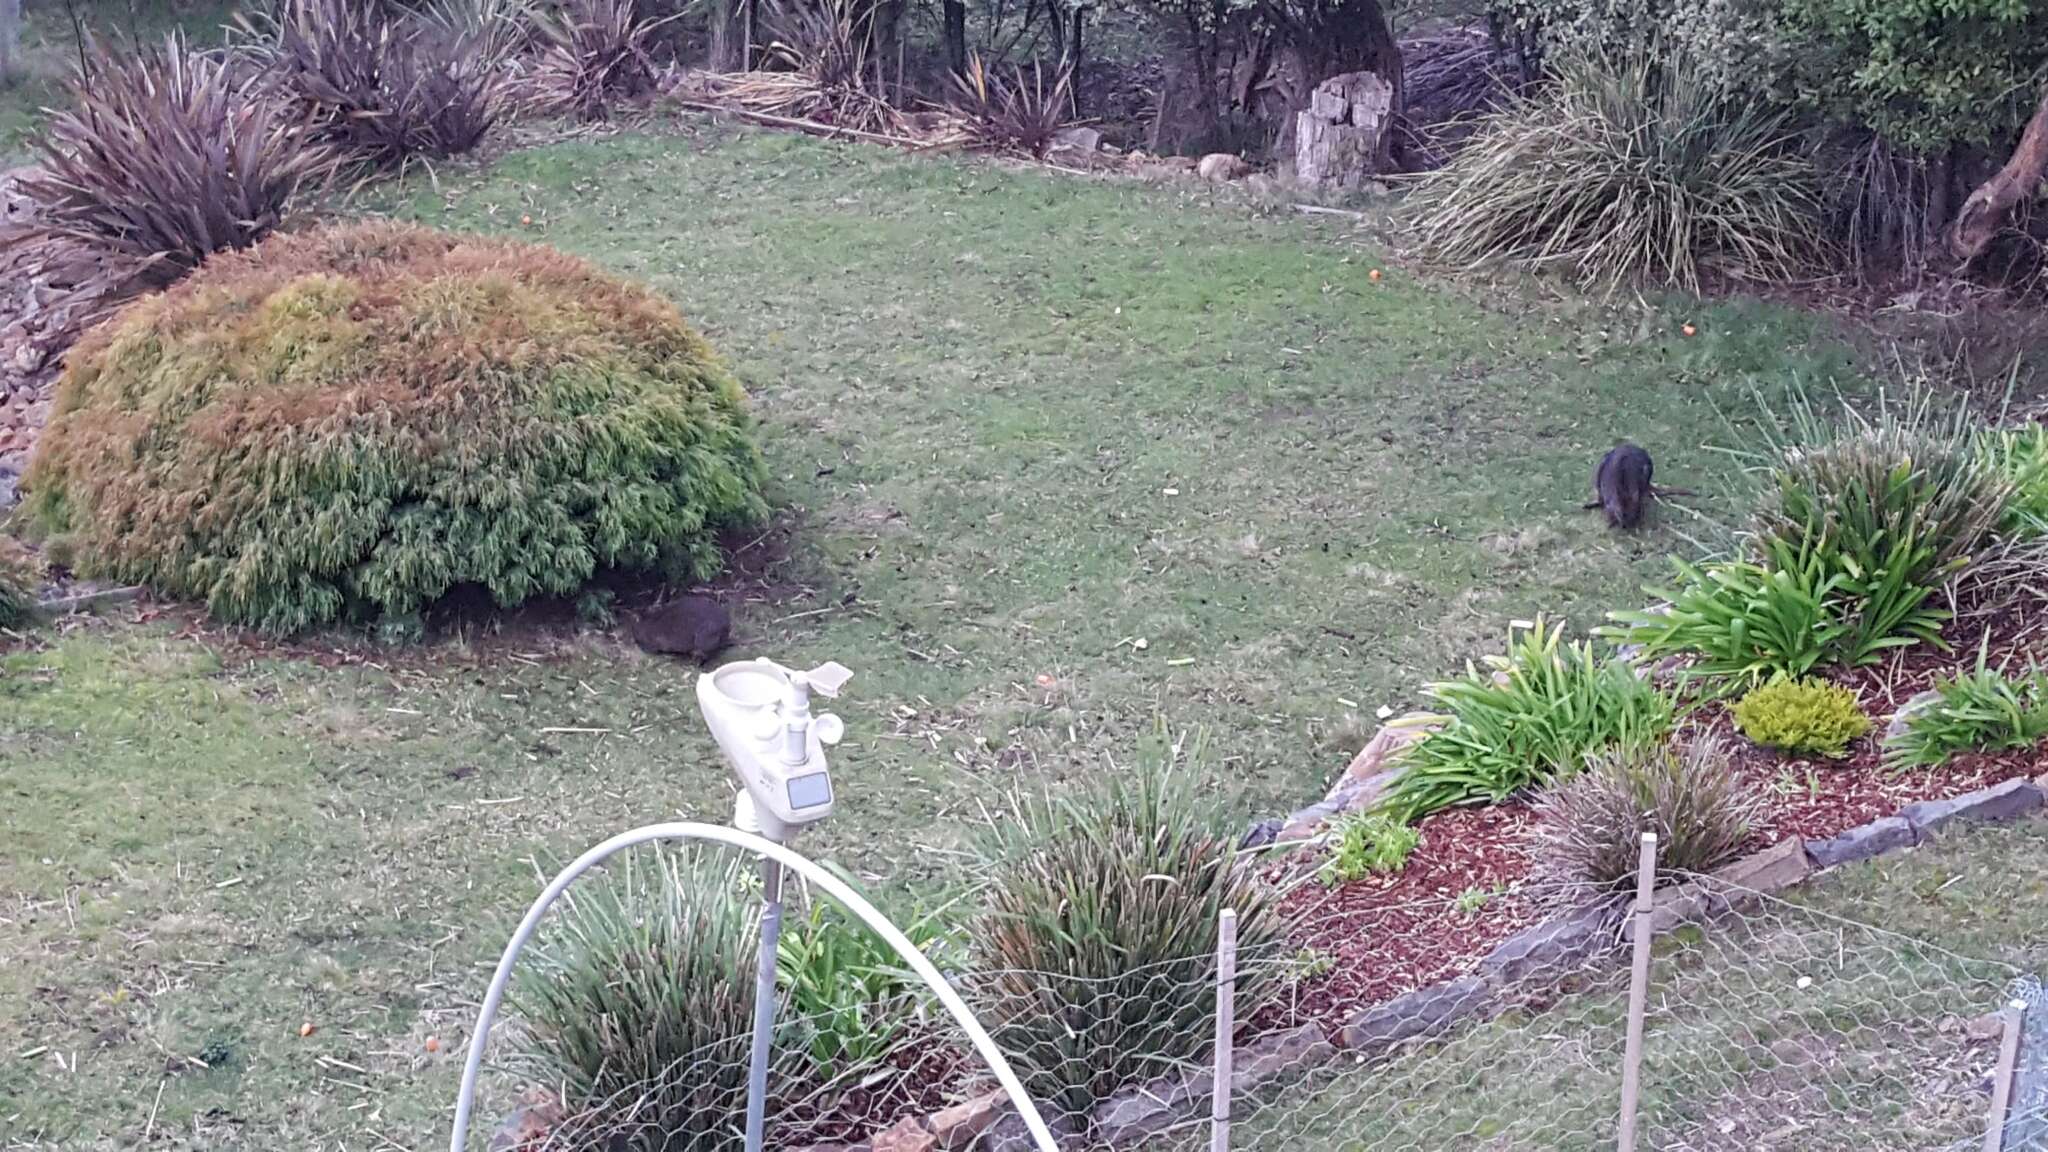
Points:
1190	462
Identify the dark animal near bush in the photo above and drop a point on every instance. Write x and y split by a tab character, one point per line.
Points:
1621	485
694	626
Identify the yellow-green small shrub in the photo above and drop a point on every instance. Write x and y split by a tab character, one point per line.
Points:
1803	716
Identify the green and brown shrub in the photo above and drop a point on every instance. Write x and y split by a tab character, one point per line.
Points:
348	424
18	580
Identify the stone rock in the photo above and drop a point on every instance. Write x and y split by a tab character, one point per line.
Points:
1340	137
1774	869
1550	947
1258	835
1425	1012
1394	736
530	1124
1986	1029
1913	707
1222	166
1149	1109
1276	1058
909	1135
1996	804
959	1126
1687	903
1009	1134
1077	138
1871	840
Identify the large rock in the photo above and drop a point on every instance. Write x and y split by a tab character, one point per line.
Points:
1009	1133
1425	1012
1871	840
1222	166
959	1126
909	1135
1340	139
1551	948
1996	804
1781	866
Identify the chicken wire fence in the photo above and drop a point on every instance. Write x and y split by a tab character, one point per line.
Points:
1766	1025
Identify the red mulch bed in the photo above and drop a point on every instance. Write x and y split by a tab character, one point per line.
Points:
1390	935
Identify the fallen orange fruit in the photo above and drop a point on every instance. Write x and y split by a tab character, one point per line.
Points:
1688	330
306	1029
1373	275
528	220
433	1044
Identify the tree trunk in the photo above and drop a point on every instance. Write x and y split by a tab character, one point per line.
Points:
956	35
10	37
1984	212
727	39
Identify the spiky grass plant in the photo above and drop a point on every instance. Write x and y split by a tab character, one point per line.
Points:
1098	936
1633	167
595	56
1983	709
345	424
1018	115
1740	621
2020	455
166	157
381	84
1528	716
637	1001
1588	828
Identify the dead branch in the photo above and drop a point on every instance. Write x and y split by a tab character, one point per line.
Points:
1984	212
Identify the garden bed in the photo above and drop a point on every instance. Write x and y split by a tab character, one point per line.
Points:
1386	935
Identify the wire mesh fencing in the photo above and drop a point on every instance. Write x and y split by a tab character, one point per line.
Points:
1498	1024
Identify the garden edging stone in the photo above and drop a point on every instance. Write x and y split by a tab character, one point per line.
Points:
1864	842
1996	804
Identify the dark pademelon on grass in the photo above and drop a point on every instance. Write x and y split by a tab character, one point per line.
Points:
349	423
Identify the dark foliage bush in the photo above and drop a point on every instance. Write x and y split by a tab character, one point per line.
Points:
167	157
595	55
347	424
1589	826
1098	935
383	85
1023	114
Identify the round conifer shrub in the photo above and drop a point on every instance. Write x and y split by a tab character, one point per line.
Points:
346	424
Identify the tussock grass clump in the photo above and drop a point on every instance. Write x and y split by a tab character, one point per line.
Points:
1632	167
384	85
637	1001
1589	827
595	55
1098	938
167	157
344	425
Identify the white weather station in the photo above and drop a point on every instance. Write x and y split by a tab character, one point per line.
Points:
760	714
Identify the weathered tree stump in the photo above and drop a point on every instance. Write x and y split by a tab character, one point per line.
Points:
1337	138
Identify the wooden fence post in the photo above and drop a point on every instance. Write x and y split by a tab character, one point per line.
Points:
1638	990
2015	1019
1226	1024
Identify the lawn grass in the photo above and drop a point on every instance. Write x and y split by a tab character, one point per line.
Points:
1019	423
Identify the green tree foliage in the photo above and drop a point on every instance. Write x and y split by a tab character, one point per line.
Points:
346	424
1923	74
